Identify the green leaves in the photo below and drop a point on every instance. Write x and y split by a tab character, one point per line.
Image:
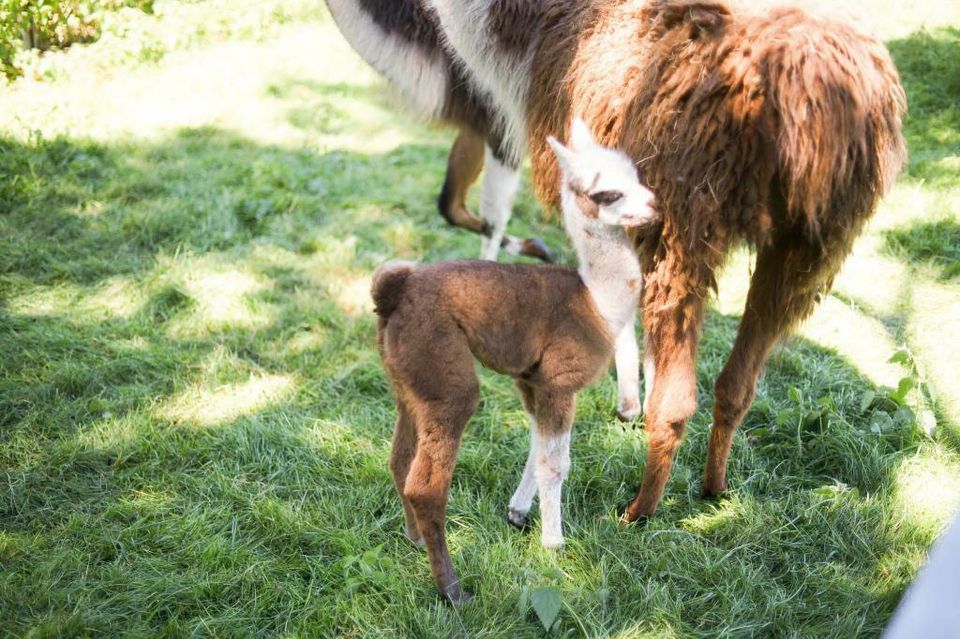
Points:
546	603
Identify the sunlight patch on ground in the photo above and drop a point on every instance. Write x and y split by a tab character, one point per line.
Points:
118	297
931	323
308	340
352	294
212	407
862	340
721	516
45	301
928	487
222	301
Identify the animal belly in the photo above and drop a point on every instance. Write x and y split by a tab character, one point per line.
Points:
503	76
420	76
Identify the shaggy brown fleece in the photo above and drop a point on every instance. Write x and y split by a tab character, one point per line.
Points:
775	128
536	324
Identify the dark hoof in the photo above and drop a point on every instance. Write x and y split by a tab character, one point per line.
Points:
534	247
518	520
456	596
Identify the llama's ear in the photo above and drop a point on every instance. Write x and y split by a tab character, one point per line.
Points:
580	136
565	156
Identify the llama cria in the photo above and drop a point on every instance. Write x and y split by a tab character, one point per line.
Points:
550	328
400	39
751	123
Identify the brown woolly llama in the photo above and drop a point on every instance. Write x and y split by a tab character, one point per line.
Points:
768	126
552	329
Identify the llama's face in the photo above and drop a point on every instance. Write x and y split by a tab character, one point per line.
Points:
603	182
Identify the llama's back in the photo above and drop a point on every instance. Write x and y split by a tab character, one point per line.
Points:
738	121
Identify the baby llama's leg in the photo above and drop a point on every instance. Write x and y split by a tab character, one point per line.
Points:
554	421
627	358
523	497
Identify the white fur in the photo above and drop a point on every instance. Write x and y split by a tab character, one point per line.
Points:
552	467
628	372
500	184
503	78
523	497
419	75
608	260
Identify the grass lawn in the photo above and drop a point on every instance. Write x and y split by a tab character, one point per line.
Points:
194	423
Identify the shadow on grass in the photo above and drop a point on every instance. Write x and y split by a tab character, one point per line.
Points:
115	514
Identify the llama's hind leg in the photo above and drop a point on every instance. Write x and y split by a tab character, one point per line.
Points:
790	274
522	498
463	167
500	183
554	421
404	447
427	488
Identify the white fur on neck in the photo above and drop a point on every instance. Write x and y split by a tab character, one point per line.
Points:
609	266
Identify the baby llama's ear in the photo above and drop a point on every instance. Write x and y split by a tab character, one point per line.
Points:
566	158
580	135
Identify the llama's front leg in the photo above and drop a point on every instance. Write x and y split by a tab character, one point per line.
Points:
554	420
500	183
649	371
627	358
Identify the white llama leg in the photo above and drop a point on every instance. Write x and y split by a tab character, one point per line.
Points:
553	464
500	183
523	497
628	373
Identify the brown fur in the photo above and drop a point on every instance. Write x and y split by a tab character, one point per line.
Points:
775	128
537	324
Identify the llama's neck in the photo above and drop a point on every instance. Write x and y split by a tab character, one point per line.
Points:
610	269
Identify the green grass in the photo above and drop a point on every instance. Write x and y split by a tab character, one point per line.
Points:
194	424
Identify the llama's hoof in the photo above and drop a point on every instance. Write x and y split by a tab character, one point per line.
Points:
712	495
534	247
626	518
415	537
628	411
552	543
518	519
456	596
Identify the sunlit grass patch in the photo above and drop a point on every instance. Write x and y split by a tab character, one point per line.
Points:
213	406
928	488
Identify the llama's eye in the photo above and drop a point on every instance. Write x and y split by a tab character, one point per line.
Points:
606	198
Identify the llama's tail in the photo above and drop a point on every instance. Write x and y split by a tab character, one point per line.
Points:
389	281
837	103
